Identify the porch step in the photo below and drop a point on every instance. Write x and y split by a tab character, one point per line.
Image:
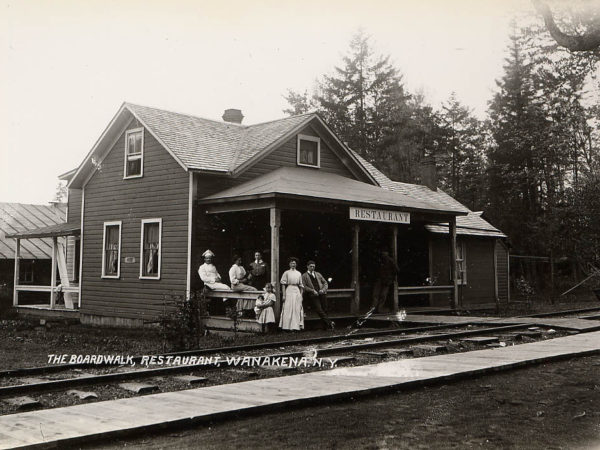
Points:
226	324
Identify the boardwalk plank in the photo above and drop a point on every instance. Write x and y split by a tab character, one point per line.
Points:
158	409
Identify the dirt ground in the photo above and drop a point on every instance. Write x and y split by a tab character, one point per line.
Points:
27	344
549	406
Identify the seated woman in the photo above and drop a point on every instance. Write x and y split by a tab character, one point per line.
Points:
237	276
208	273
264	308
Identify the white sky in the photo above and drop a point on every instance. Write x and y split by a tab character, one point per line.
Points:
66	66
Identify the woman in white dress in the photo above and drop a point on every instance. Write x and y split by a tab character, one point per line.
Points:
292	313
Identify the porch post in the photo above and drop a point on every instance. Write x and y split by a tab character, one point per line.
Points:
355	269
275	224
16	280
53	273
395	256
453	274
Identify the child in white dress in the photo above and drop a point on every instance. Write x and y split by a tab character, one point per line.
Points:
264	307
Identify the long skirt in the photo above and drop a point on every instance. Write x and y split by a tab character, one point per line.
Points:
243	303
292	313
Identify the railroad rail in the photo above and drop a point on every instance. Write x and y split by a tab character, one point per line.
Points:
296	348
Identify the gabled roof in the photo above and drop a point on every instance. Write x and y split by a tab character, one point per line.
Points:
18	217
304	183
471	224
204	144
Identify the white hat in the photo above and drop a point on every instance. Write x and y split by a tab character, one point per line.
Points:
208	253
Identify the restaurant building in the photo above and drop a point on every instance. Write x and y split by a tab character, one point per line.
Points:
159	188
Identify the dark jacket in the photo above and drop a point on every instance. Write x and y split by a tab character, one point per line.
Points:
308	284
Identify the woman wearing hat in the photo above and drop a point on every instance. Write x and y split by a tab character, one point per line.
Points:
292	313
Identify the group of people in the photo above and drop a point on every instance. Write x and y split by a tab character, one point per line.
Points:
297	287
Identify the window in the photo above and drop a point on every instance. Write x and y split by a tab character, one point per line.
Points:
134	153
150	252
461	263
111	255
26	272
309	151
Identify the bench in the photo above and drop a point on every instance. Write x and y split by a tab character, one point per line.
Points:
223	293
415	290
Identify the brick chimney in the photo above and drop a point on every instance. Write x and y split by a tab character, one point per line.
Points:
233	115
429	172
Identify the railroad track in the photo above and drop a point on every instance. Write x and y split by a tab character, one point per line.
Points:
32	371
355	349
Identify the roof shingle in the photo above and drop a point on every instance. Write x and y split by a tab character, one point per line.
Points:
211	145
471	224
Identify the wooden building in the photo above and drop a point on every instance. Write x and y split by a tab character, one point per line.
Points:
158	188
36	254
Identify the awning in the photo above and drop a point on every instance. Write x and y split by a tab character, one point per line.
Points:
62	229
316	185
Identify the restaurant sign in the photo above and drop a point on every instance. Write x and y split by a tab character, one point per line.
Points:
379	215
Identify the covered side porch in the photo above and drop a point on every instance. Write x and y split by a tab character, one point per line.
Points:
64	295
340	223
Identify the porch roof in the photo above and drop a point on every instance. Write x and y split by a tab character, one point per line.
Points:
61	229
311	184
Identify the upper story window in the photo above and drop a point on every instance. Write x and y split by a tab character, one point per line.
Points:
150	249
111	254
134	153
309	151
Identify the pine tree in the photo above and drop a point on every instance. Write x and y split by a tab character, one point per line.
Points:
519	129
460	154
364	100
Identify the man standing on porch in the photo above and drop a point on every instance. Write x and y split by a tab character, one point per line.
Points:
208	273
315	289
388	269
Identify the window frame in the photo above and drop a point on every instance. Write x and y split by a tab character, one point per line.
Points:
30	266
157	276
305	137
461	275
118	223
141	157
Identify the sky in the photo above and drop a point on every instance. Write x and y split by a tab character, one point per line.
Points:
68	65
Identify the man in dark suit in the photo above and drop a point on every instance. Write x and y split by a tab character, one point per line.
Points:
315	290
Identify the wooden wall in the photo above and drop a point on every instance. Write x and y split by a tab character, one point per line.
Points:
162	192
480	287
206	233
503	271
286	156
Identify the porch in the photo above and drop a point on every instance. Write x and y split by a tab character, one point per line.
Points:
63	297
340	223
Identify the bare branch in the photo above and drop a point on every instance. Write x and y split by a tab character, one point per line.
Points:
578	43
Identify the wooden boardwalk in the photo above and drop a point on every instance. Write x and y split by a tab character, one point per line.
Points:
81	423
578	324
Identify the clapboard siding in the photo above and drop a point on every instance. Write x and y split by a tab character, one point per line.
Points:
502	267
73	216
161	193
283	156
480	271
74	213
480	268
286	156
